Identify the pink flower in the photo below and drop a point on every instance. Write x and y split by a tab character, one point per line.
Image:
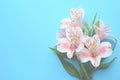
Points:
72	42
94	51
102	30
75	20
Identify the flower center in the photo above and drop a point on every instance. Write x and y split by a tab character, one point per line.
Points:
93	47
75	40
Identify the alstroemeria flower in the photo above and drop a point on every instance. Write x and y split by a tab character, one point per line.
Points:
72	42
102	30
94	51
75	20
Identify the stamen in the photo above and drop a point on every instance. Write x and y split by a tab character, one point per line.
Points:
92	47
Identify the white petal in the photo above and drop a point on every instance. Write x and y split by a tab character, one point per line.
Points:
79	31
63	45
80	47
77	16
65	23
60	34
104	26
74	32
95	61
78	12
97	29
69	33
84	55
92	41
105	49
96	39
70	54
103	30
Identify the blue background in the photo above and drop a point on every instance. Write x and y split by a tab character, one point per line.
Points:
28	28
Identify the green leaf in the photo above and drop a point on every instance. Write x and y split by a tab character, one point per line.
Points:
92	32
58	53
94	18
67	66
103	66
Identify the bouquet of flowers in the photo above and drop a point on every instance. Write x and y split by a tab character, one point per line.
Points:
87	45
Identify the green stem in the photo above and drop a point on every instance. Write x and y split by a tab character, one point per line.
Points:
84	70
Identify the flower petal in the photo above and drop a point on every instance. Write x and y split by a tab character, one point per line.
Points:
63	45
92	43
84	55
74	32
102	30
77	13
95	61
65	23
70	54
61	34
80	47
105	49
77	16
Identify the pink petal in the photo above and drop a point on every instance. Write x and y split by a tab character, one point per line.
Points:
105	50
77	16
103	30
74	31
65	23
80	47
92	41
84	55
95	61
97	30
77	13
63	45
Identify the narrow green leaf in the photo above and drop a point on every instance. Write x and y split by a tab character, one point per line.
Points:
92	32
57	52
103	66
94	19
67	66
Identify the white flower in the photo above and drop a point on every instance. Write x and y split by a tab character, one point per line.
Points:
94	51
72	42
